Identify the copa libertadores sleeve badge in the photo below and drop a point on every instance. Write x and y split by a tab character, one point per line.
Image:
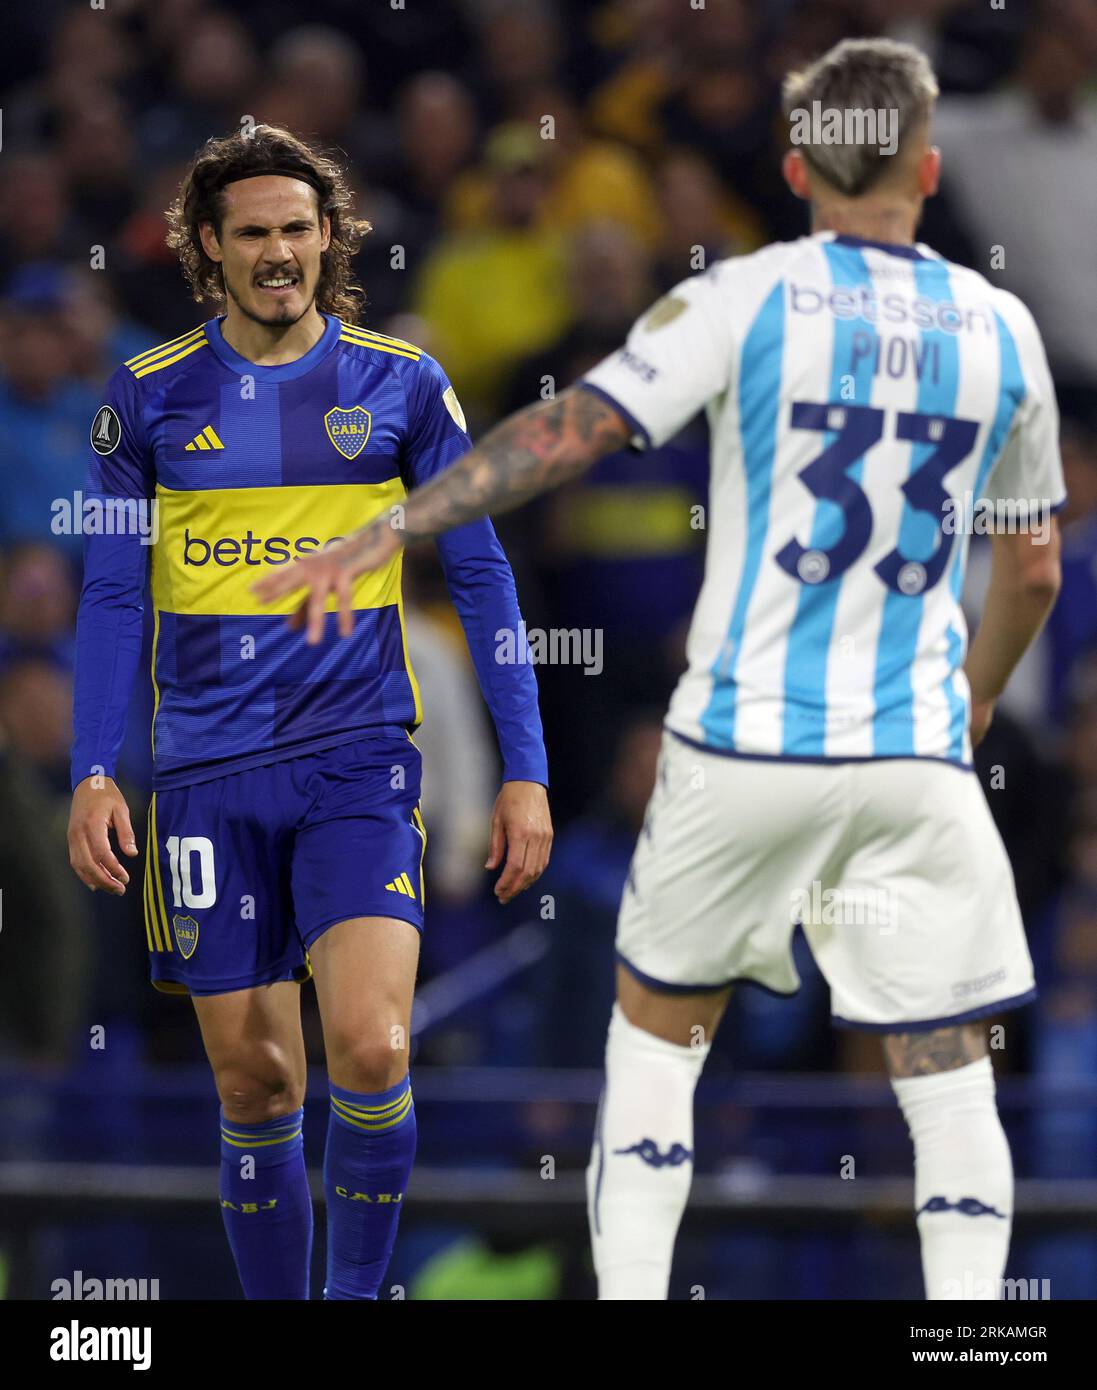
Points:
106	430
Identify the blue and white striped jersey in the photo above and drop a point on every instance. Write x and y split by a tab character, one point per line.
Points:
865	401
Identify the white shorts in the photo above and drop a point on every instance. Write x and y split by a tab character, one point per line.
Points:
894	867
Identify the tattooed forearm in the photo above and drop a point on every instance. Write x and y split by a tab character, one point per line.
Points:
941	1049
537	449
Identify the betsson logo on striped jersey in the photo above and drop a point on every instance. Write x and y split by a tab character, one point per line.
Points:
227	551
861	302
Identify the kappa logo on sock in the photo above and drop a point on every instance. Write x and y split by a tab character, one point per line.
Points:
648	1150
966	1206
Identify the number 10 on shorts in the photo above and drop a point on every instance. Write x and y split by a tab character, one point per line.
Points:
180	853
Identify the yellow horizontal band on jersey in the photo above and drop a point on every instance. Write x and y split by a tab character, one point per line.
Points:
184	351
381	344
200	560
166	349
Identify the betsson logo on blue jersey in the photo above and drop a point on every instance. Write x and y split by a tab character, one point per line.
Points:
862	302
227	550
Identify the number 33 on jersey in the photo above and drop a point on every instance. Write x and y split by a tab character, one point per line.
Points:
864	400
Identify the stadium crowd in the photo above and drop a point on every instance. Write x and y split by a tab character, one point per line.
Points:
536	173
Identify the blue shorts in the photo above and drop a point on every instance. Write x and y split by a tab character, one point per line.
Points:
243	873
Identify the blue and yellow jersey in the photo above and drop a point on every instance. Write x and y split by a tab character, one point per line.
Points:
217	469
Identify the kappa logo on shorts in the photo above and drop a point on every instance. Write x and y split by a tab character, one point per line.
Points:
349	429
962	988
186	935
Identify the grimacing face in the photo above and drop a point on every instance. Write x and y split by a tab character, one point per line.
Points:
269	247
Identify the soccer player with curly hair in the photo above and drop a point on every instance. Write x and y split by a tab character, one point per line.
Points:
284	835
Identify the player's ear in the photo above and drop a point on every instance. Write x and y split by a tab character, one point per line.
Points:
210	244
796	174
929	172
325	232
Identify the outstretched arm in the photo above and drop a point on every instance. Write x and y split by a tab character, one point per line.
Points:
531	452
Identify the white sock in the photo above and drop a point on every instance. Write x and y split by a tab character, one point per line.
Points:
963	1180
642	1161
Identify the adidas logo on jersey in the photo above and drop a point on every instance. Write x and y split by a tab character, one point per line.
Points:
206	440
401	885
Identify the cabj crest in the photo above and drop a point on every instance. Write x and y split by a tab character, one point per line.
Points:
349	429
186	935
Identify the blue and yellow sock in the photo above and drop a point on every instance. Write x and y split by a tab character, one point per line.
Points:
266	1205
371	1146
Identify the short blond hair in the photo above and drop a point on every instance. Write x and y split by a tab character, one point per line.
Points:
862	75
